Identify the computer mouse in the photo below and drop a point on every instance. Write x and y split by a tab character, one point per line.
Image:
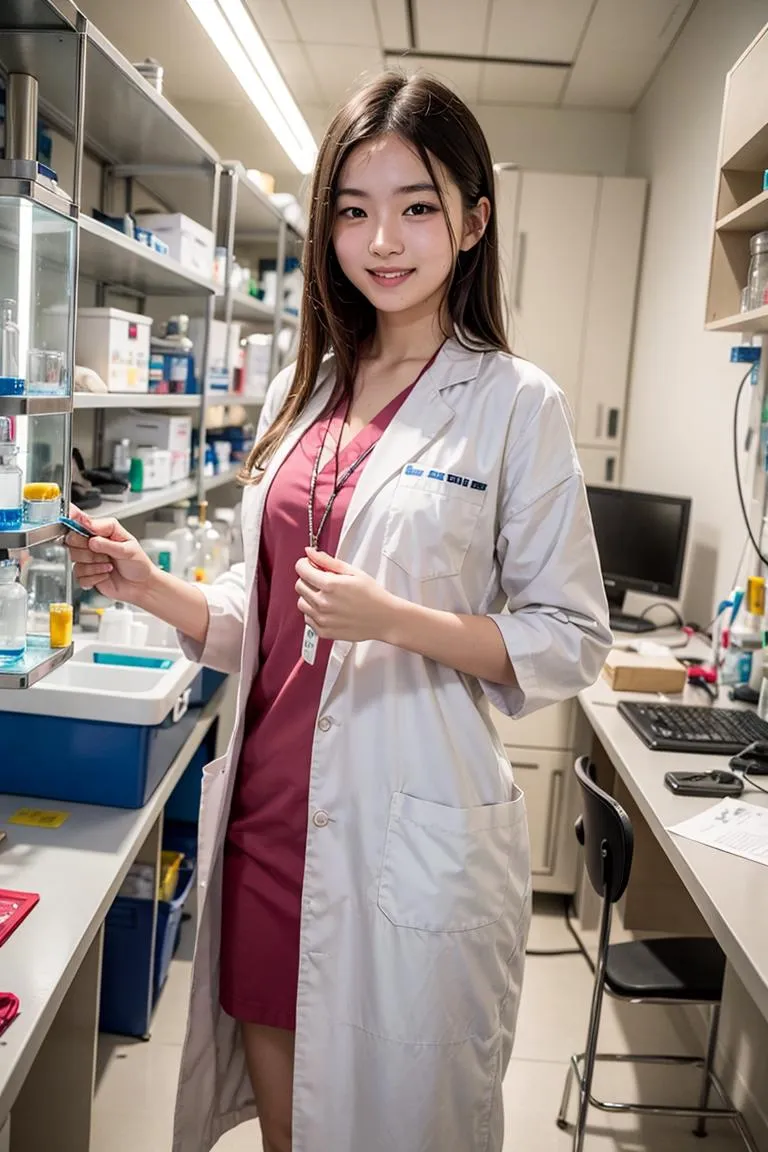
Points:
758	750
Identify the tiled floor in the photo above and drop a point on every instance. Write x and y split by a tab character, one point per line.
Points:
134	1100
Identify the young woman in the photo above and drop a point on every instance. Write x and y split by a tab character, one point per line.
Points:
418	545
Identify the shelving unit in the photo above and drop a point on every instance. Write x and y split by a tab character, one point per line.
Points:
741	203
119	263
138	400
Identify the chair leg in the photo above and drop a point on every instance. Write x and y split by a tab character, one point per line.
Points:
594	1027
714	1022
561	1121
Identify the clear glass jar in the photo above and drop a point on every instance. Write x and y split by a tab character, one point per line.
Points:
13	614
757	278
9	348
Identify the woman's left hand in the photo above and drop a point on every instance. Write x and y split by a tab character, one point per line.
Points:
341	602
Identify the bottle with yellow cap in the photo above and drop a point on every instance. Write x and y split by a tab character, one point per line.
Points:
205	563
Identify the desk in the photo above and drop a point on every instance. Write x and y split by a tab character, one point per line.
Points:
731	893
53	960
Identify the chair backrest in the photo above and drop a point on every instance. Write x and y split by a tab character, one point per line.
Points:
605	831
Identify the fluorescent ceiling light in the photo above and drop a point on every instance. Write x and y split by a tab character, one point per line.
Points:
232	30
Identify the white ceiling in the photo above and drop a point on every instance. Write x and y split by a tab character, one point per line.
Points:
598	54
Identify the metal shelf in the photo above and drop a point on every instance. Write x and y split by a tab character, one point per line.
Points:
211	482
138	400
139	503
29	537
38	661
230	399
127	123
35	405
255	214
112	258
246	309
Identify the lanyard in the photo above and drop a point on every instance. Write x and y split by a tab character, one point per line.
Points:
338	481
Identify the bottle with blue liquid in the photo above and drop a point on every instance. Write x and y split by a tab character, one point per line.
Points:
13	614
10	478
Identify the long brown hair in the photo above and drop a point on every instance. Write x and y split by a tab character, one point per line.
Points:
335	316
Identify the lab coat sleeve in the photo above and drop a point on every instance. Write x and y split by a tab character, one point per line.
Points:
555	624
223	643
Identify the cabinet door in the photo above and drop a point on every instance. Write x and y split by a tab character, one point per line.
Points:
544	778
556	222
551	727
602	466
610	312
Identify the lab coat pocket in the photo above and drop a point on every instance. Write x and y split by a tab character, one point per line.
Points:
448	869
430	526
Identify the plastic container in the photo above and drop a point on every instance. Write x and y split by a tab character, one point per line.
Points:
130	985
84	716
42	503
115	626
13	614
115	344
207	561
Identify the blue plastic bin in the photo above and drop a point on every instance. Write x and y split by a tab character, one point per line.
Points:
86	761
184	802
204	685
126	1007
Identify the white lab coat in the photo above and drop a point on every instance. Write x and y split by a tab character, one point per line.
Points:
417	878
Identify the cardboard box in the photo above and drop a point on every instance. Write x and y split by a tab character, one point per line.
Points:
631	672
151	430
188	242
217	380
116	345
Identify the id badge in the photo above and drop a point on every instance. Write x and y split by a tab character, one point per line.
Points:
309	645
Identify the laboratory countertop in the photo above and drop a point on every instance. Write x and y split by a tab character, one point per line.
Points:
77	870
730	892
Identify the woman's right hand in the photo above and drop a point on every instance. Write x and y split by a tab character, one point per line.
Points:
111	560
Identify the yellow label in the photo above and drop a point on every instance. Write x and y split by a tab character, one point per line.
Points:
38	818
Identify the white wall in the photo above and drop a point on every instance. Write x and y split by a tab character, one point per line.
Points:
682	386
558	139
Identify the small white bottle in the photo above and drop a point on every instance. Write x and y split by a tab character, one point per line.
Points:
10	479
13	614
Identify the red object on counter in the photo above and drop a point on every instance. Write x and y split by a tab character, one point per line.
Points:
14	906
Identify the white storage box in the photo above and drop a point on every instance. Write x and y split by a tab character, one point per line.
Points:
151	430
256	357
217	379
116	345
188	242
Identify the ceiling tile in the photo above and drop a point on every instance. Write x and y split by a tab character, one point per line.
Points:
624	46
521	84
272	19
297	71
341	68
544	30
335	21
463	76
451	25
393	23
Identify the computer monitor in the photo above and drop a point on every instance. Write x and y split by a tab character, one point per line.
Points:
641	538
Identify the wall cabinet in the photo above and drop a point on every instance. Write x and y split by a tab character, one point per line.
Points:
571	252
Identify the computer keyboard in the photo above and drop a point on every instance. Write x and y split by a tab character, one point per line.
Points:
678	728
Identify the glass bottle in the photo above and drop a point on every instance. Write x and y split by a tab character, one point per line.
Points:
757	277
10	478
206	561
11	381
13	614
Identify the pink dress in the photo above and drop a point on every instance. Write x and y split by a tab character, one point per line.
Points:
266	838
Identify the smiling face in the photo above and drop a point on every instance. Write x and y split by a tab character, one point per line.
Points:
391	236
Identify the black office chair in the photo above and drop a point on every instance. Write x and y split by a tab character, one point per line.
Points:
675	970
